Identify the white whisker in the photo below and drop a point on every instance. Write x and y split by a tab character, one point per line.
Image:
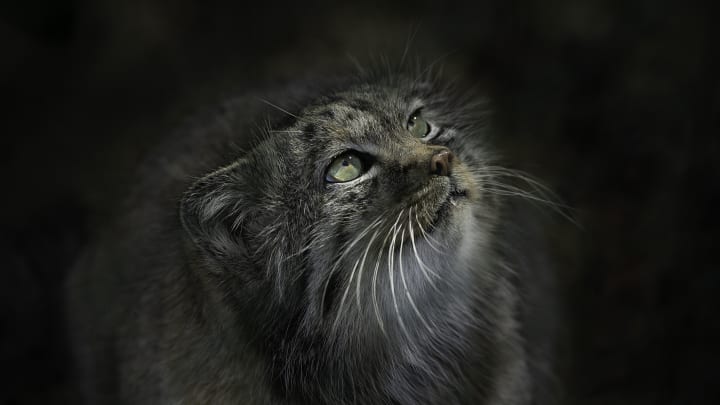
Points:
407	290
539	193
375	273
422	265
376	307
279	108
345	252
362	266
428	238
391	265
345	293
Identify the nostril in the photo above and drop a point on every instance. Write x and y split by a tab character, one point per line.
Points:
441	163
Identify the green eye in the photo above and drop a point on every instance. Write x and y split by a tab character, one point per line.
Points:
417	126
344	168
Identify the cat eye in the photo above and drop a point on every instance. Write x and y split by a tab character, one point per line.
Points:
345	167
417	126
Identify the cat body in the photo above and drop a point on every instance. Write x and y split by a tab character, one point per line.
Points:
351	252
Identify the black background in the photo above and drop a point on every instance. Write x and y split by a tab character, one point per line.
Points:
615	104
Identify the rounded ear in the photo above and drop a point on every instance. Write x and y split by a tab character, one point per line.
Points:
213	209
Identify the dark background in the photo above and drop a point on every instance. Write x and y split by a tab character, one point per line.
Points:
615	104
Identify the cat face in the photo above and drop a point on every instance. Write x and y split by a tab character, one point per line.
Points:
360	212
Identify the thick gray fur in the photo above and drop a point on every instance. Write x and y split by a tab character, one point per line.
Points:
237	275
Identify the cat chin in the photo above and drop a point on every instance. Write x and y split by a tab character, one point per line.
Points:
452	215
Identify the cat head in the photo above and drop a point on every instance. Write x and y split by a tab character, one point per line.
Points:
356	215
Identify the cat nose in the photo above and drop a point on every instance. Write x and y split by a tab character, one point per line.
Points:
441	162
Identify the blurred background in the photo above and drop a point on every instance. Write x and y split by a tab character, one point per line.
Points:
615	104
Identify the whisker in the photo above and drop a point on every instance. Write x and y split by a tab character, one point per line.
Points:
362	266
376	307
516	191
345	293
279	108
539	193
506	190
417	257
375	272
391	265
412	241
538	186
407	290
345	252
428	238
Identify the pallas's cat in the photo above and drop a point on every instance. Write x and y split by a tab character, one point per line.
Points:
362	248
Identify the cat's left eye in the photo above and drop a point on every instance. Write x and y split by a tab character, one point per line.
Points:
345	167
417	126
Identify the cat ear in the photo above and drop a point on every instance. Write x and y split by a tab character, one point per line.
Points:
212	210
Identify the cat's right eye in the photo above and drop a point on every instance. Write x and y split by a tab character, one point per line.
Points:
417	125
346	167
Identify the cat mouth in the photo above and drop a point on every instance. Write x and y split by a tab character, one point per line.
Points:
452	202
456	195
